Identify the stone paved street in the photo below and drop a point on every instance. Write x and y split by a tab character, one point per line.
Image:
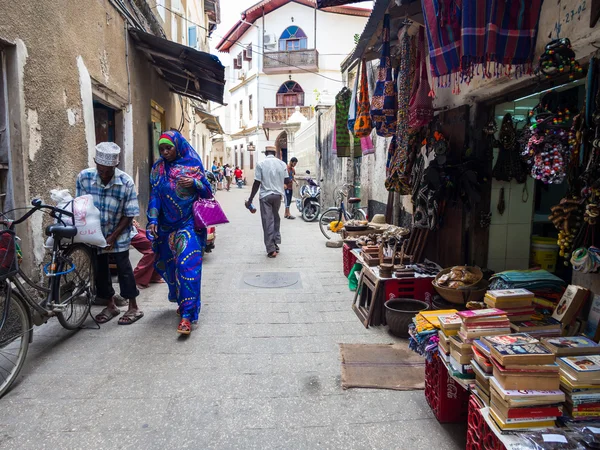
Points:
261	371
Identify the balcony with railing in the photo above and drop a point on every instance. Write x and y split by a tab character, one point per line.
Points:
282	114
290	61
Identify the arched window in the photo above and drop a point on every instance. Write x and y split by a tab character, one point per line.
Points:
293	38
290	94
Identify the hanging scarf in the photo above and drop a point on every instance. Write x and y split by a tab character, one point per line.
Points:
342	104
363	125
384	102
512	32
353	103
397	179
366	145
421	104
442	19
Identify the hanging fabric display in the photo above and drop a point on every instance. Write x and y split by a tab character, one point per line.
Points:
366	145
398	177
509	164
421	104
342	135
442	19
384	101
480	37
353	103
363	125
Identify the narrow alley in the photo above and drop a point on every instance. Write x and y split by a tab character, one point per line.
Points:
261	371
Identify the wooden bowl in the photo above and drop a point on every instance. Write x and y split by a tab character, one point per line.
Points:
473	269
462	296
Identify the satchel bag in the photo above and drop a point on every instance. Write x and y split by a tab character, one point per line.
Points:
363	125
208	212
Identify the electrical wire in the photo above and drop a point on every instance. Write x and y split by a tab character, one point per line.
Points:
266	55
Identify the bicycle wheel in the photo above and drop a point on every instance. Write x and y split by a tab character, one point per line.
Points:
329	216
359	214
14	340
76	288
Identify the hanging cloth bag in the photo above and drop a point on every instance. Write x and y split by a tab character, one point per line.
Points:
385	97
363	125
421	105
342	135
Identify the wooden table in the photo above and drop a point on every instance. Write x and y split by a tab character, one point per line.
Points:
373	291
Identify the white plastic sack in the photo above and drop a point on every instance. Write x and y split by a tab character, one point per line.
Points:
87	218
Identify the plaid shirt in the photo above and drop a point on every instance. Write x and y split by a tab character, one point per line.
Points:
115	200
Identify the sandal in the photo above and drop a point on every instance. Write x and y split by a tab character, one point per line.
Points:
106	315
131	316
185	327
272	255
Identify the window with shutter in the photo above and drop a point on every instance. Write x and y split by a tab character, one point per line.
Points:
193	36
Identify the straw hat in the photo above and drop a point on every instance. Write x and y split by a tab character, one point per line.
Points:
107	154
378	221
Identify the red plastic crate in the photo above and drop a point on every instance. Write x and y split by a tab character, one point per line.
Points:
447	399
348	258
417	288
479	434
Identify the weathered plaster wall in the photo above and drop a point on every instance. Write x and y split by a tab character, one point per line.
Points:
62	46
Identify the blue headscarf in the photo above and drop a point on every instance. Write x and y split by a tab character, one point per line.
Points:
186	158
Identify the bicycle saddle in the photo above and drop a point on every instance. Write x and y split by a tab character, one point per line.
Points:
354	200
61	231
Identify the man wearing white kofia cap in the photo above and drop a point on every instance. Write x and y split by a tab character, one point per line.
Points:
114	195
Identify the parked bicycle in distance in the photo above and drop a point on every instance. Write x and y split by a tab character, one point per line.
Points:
333	219
68	296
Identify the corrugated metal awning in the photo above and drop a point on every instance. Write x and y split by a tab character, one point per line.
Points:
210	121
185	70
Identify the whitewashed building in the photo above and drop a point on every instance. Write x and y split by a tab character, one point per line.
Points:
283	54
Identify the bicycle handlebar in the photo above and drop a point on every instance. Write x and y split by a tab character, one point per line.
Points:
38	205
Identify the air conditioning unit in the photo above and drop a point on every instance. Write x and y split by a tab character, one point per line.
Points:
270	41
241	75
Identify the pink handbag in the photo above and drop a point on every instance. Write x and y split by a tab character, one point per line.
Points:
208	212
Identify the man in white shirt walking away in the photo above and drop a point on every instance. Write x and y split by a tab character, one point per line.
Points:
270	176
228	176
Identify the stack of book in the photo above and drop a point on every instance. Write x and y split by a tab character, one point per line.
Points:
482	322
522	364
449	326
482	367
524	409
461	354
517	303
579	375
538	328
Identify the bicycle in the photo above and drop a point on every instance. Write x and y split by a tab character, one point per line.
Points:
68	297
332	220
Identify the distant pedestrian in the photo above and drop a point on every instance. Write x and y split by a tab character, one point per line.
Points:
238	174
289	187
144	272
114	195
228	176
270	176
177	181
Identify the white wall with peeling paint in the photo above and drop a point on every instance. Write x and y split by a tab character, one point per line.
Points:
87	106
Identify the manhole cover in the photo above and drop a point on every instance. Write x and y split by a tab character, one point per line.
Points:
271	279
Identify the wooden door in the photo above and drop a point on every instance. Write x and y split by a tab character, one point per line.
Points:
447	245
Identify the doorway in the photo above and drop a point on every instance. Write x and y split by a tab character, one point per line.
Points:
281	146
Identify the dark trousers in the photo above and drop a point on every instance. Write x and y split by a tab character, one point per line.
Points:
269	213
104	288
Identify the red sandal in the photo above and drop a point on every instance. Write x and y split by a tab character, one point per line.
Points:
185	327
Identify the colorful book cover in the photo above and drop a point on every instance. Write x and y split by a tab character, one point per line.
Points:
569	304
541	323
476	313
482	346
572	342
526	349
583	364
511	339
449	320
591	327
509	293
558	396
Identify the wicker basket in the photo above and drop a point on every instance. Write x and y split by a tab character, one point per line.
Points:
462	296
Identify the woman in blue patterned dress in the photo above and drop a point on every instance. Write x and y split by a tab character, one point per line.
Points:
177	181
